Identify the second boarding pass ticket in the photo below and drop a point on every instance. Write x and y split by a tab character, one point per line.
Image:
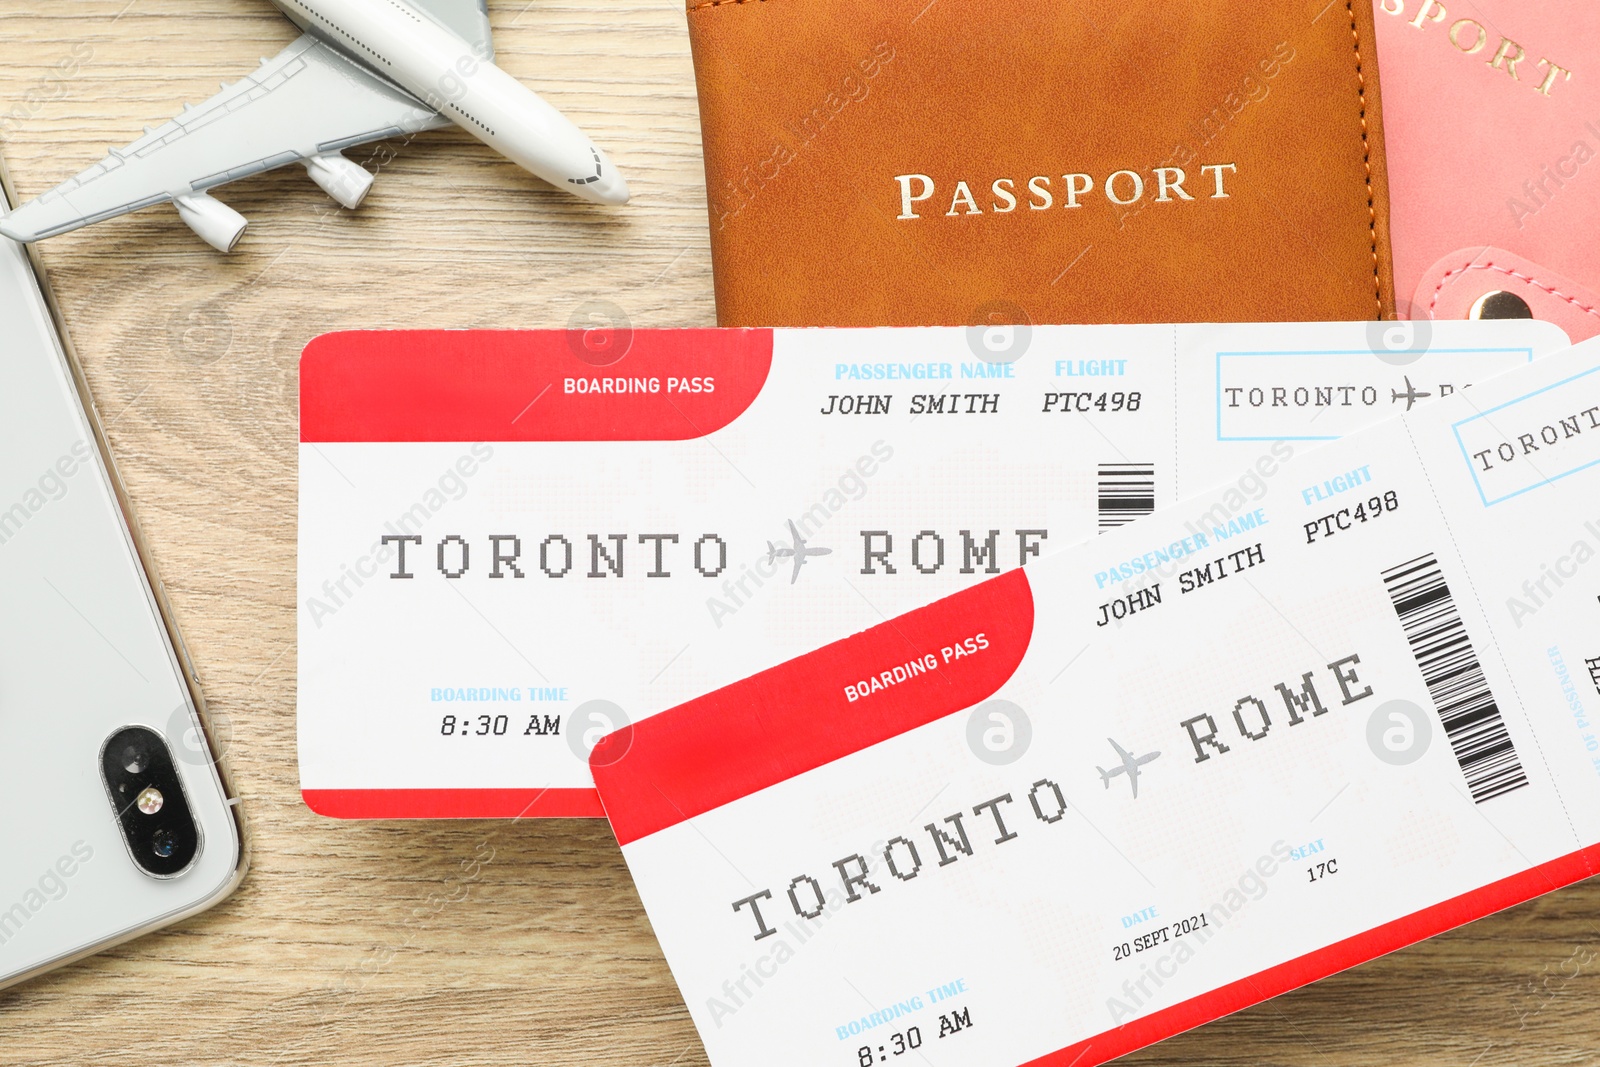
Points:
513	542
1197	761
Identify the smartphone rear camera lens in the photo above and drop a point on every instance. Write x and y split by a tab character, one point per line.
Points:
135	758
163	844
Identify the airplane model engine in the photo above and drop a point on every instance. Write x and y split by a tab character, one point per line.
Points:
346	182
217	224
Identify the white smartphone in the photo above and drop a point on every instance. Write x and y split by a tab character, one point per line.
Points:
118	818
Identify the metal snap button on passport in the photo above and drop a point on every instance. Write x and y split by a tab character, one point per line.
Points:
1500	305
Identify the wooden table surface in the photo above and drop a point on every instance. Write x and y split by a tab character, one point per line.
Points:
385	942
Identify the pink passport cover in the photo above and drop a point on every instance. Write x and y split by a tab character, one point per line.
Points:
1492	109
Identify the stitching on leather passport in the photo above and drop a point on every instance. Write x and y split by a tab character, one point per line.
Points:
1366	158
719	3
1536	283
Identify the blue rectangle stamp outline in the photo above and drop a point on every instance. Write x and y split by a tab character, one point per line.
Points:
1527	353
1455	428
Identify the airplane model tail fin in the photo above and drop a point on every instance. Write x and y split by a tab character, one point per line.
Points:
1105	776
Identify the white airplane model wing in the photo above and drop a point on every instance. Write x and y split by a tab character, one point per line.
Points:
303	105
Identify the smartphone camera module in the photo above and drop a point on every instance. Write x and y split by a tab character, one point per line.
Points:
142	784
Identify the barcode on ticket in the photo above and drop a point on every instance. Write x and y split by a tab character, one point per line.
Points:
1127	492
1454	678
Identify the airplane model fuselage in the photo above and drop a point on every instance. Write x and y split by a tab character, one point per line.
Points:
363	71
461	83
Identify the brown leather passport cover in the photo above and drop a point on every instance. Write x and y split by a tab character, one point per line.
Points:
949	162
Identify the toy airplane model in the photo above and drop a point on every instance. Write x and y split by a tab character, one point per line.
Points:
364	70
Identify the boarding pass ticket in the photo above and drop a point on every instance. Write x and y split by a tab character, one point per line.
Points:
512	543
1204	758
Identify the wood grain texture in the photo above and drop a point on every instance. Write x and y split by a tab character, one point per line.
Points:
473	943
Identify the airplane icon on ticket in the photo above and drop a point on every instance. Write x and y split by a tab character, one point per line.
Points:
798	552
1130	766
